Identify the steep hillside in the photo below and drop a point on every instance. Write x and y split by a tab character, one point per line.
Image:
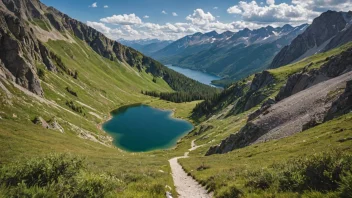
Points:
300	125
48	23
231	55
331	29
59	81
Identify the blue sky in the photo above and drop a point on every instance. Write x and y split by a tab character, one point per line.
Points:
172	19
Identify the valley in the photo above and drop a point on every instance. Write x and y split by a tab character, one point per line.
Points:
199	76
82	115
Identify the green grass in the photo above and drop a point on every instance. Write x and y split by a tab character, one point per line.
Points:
101	87
42	24
228	170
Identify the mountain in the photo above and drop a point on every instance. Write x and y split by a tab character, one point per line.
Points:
24	30
282	132
230	55
331	29
146	46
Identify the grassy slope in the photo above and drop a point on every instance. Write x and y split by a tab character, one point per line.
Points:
102	86
224	168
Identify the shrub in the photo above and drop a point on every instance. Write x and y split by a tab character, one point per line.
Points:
75	107
322	172
41	73
54	176
231	192
345	189
69	90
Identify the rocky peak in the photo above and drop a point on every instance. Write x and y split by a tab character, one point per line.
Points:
314	39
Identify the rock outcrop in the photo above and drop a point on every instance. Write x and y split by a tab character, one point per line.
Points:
256	93
331	29
342	105
289	116
24	24
335	66
51	124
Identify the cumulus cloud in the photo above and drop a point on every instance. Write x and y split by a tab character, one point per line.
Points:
323	5
125	19
215	8
94	5
99	26
106	6
163	12
174	14
270	2
253	16
234	10
199	17
251	11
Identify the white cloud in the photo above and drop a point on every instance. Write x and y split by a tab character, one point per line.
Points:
234	10
163	12
199	17
323	5
215	8
106	6
99	26
174	14
270	2
94	5
251	11
253	16
125	19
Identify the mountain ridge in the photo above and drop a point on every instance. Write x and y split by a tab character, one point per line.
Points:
331	29
231	54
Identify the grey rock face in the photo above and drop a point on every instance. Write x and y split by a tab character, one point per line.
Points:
329	27
18	52
255	95
266	105
307	99
336	66
342	105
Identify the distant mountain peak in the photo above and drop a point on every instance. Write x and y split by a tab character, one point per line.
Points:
331	29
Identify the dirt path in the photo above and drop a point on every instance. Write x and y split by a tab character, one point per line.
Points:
186	186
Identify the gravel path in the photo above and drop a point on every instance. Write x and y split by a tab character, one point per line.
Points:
185	185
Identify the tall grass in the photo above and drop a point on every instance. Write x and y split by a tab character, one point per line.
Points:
55	176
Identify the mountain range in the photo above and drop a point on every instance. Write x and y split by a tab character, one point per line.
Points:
331	29
146	46
230	55
284	131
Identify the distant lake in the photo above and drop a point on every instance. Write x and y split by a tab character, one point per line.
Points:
140	128
199	76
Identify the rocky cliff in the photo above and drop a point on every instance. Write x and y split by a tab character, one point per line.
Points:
331	29
309	98
25	26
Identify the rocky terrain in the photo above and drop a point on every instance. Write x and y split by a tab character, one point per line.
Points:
330	30
307	99
26	25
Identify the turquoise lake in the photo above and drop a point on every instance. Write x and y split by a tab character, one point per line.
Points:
141	128
199	76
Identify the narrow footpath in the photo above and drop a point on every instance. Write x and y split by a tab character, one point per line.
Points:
186	186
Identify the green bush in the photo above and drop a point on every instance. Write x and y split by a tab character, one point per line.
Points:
322	172
54	176
231	192
345	189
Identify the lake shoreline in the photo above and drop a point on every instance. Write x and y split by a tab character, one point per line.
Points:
198	75
170	116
